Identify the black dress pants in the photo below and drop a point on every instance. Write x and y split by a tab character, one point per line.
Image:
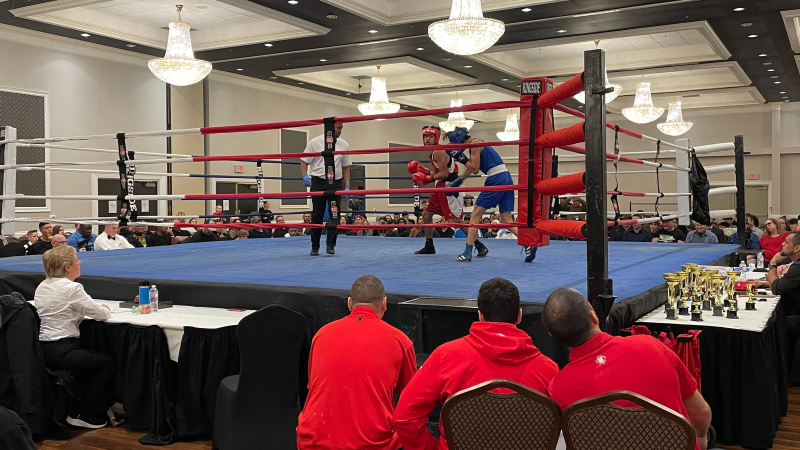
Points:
94	370
318	212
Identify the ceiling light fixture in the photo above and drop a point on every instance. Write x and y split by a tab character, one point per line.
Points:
372	31
561	31
419	49
178	66
378	99
782	92
267	45
240	70
747	24
643	110
511	132
674	126
323	60
751	36
786	101
738	9
784	97
774	77
762	55
526	10
273	78
777	82
767	63
504	79
581	96
293	2
468	67
770	70
466	32
301	83
130	45
332	16
85	34
455	119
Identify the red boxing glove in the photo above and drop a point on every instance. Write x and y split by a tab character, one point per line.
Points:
417	167
421	179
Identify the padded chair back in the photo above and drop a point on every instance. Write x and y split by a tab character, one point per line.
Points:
476	419
597	424
270	342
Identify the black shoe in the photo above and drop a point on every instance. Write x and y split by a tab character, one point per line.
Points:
482	250
314	252
331	251
427	250
87	420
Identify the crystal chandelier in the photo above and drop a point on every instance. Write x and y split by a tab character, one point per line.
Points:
674	126
455	119
581	96
512	130
643	110
178	66
466	32
378	99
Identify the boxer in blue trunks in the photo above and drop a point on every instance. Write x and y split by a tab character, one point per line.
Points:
486	160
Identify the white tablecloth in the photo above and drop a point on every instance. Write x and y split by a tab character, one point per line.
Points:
748	320
172	320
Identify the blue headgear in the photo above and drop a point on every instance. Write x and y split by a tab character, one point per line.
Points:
458	136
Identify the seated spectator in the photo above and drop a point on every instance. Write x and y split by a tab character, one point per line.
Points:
718	232
351	397
180	234
772	240
204	235
402	231
752	222
268	216
192	230
137	236
222	233
788	286
460	233
343	220
574	204
616	232
600	363
654	227
445	231
58	229
752	243
701	235
58	240
258	233
43	244
163	236
306	219
494	348
279	232
783	222
83	239
792	225
31	237
242	234
218	212
731	228
62	304
503	233
293	232
636	232
488	233
110	240
669	232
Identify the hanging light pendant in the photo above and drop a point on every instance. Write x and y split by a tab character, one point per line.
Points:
378	99
674	126
455	119
466	32
178	66
643	110
581	96
511	132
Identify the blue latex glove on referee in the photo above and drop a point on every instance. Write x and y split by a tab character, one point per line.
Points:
346	197
306	180
455	183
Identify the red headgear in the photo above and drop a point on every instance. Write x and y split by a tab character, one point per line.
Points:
432	130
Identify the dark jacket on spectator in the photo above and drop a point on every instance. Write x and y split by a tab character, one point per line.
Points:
39	247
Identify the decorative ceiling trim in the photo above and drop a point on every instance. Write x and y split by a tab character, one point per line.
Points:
474	87
380	10
733	66
750	90
791	20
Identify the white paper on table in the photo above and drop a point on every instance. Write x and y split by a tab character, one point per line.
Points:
112	206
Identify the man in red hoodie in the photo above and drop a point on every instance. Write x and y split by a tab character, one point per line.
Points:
600	363
495	348
356	366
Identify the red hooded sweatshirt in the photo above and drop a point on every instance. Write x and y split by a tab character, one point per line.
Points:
492	350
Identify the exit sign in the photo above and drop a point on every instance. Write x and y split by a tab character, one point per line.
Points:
752	176
238	169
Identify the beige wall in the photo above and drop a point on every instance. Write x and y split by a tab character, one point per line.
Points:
186	111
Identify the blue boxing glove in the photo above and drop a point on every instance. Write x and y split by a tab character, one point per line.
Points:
460	156
306	180
455	183
458	136
346	197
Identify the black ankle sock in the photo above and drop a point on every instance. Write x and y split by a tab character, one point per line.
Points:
429	242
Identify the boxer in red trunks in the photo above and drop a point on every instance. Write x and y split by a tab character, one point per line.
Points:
449	207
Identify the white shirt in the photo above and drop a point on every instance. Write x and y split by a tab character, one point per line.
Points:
62	305
103	242
316	164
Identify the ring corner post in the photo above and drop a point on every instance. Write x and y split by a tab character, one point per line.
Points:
682	160
600	287
741	220
8	156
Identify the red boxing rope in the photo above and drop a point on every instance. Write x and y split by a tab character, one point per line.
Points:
569	228
562	137
417	148
250	226
350	119
420	190
582	151
561	92
562	185
610	125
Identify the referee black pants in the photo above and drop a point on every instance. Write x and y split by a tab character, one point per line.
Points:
318	212
95	371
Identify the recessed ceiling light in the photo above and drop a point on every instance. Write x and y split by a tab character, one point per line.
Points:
130	45
273	78
774	76
580	106
782	92
85	34
419	49
347	93
561	31
738	9
784	97
323	60
747	24
301	83
372	31
468	67
240	70
770	70
762	55
751	36
293	2
777	82
445	59
767	63
267	45
526	10
504	79
332	16
786	101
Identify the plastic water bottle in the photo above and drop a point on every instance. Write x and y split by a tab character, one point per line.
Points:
742	267
154	298
760	263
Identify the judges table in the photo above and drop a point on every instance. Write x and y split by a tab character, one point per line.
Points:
169	365
743	368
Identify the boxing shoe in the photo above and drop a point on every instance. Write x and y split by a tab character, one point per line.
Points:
466	256
530	254
482	250
314	252
427	250
330	250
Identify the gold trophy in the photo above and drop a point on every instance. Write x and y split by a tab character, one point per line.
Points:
750	305
697	290
732	309
708	288
672	280
683	307
719	291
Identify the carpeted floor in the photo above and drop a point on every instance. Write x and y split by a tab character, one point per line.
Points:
634	267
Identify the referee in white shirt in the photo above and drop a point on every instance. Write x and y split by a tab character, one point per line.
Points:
109	239
315	177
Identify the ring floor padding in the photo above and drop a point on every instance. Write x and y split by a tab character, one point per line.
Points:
634	267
